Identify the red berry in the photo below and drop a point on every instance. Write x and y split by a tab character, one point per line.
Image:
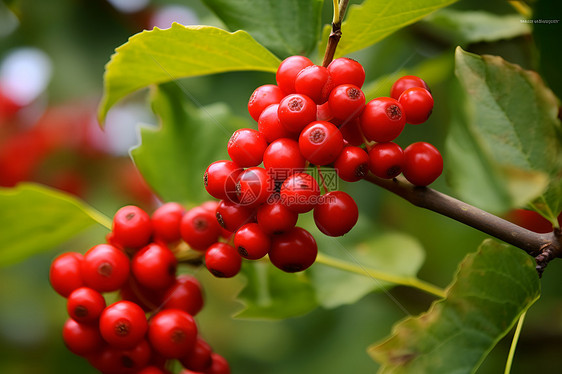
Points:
153	370
386	160
85	305
407	81
132	227
347	71
199	228
172	333
81	339
352	164
251	242
383	119
336	213
199	359
293	251
123	324
220	179
105	268
184	295
246	147
323	112
417	103
300	192
231	215
218	365
166	222
283	158
296	111
146	298
154	267
223	260
112	360
253	187
315	82
270	127
262	97
423	163
346	102
288	70
65	275
276	218
321	142
351	131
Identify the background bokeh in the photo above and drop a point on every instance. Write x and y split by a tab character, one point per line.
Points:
52	57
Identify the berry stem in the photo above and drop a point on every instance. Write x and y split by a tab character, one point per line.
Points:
380	275
335	35
544	247
324	187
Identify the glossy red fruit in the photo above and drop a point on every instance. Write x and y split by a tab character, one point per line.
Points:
288	70
423	163
232	216
246	147
405	82
172	333
300	192
270	127
65	274
166	222
153	370
199	228
283	158
293	251
346	102
417	103
296	111
199	359
111	360
132	227
351	131
253	187
336	213
223	260
251	242
262	97
383	119
185	294
123	324
154	267
146	298
315	82
105	268
352	164
85	305
347	71
80	338
220	179
386	160
276	218
219	365
321	142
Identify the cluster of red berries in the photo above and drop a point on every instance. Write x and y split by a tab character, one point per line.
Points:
152	321
314	116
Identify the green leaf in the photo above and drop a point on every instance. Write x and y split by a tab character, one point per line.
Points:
36	218
173	157
505	146
374	20
273	294
476	26
159	56
284	27
336	287
492	288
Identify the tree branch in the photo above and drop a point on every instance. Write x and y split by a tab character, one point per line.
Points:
335	35
544	247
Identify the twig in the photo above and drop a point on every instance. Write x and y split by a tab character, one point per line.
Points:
544	247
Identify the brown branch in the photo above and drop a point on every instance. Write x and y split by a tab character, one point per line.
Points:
544	247
335	35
